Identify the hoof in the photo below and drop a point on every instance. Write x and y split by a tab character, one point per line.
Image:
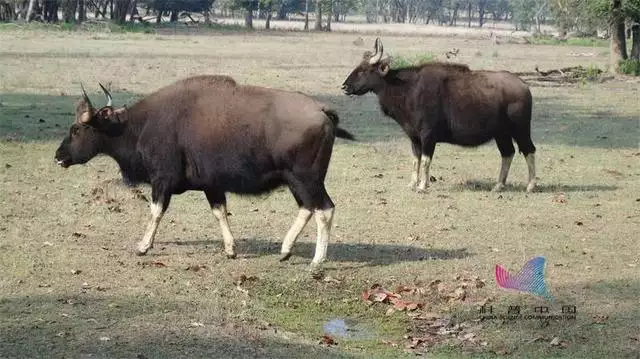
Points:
530	188
231	256
140	252
421	190
285	257
316	271
412	184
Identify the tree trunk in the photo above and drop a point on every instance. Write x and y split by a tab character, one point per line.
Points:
248	19
329	15
306	14
481	8
469	15
50	10
82	11
454	15
618	41
30	10
318	26
174	16
635	45
120	11
207	17
267	24
69	10
134	11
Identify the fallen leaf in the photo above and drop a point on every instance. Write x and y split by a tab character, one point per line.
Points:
578	223
78	235
559	198
330	279
105	339
196	267
468	336
158	264
555	341
327	340
245	278
197	324
536	339
600	319
76	271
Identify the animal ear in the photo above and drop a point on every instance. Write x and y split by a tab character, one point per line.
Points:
84	117
106	113
383	69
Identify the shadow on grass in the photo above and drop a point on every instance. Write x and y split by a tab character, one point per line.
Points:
28	117
372	254
487	186
33	327
606	324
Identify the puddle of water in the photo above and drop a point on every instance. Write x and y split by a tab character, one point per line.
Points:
347	328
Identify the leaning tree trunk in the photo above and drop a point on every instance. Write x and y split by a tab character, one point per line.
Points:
618	41
318	26
635	44
30	10
306	14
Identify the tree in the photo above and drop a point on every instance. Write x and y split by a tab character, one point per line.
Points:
318	26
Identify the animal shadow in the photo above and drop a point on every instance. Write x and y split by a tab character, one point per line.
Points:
487	186
372	254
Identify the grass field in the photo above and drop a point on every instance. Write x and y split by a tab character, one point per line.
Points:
71	285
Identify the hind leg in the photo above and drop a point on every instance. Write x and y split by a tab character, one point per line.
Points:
415	170
218	203
505	146
528	150
428	148
304	214
311	193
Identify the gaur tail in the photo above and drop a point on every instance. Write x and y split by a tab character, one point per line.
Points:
341	133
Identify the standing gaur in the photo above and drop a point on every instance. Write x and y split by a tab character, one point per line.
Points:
446	102
207	133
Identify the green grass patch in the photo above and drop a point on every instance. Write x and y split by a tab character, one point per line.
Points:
630	67
398	62
301	307
574	41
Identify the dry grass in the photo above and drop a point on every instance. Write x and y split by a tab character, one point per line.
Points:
56	222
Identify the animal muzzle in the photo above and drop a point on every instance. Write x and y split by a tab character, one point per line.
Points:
346	89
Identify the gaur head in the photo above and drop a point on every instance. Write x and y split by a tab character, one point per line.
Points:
93	128
369	75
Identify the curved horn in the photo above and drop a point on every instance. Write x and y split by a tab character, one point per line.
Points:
85	97
106	93
378	55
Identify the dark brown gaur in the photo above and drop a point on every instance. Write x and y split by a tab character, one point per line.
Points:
448	102
207	133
